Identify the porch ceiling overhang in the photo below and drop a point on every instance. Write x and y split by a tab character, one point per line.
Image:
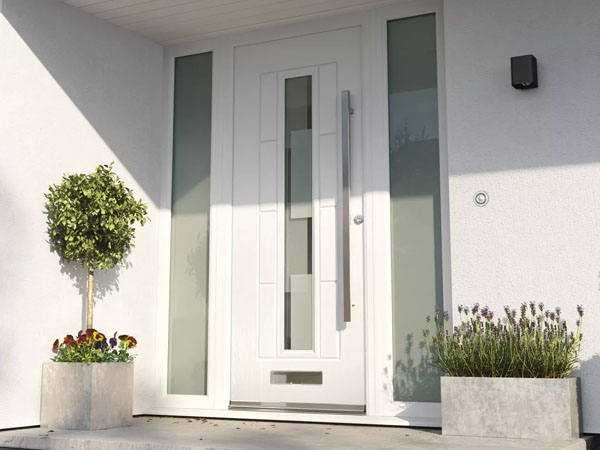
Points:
175	21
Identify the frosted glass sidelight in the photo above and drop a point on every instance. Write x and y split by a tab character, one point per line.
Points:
299	311
415	202
188	302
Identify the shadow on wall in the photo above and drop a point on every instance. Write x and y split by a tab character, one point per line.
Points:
415	379
588	371
197	259
113	77
105	282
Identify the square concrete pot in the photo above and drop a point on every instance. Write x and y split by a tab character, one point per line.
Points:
78	396
532	408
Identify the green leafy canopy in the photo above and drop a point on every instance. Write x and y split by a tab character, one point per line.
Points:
91	218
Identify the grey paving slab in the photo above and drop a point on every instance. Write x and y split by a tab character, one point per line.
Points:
167	433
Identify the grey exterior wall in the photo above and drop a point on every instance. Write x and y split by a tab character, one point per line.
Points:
74	92
537	154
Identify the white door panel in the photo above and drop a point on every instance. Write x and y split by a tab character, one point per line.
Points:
284	319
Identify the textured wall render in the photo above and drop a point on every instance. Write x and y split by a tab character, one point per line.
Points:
537	154
76	92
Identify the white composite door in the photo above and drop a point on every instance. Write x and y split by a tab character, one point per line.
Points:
297	289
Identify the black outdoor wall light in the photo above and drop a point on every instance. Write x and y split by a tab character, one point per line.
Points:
524	72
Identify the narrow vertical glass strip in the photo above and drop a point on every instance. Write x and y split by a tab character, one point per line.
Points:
298	327
190	206
415	202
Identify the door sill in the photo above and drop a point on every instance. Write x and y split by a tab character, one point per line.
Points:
317	408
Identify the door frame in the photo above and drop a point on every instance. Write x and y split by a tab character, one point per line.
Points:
380	407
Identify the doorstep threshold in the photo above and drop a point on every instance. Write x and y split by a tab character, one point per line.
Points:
314	408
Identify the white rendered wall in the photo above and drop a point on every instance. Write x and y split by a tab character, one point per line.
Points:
74	92
537	154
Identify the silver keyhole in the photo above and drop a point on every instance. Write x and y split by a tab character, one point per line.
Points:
358	219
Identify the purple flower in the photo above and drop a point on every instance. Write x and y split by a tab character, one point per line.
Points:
580	310
113	340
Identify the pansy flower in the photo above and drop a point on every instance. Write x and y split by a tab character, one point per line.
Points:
94	344
69	340
98	337
81	339
113	340
90	332
130	341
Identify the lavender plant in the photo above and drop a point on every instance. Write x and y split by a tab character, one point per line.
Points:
531	343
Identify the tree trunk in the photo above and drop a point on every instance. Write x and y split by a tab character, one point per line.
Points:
90	299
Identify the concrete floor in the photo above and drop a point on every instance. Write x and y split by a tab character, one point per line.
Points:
168	433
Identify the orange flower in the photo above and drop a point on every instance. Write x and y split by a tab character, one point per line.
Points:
69	340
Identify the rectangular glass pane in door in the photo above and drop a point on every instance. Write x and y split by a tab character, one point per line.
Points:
188	300
298	327
414	201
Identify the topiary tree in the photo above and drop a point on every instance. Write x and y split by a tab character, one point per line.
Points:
90	221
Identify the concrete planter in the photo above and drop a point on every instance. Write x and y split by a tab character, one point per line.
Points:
77	396
533	408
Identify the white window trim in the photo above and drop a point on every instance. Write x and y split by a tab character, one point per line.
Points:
377	215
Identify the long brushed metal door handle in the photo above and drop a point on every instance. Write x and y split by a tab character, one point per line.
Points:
346	111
